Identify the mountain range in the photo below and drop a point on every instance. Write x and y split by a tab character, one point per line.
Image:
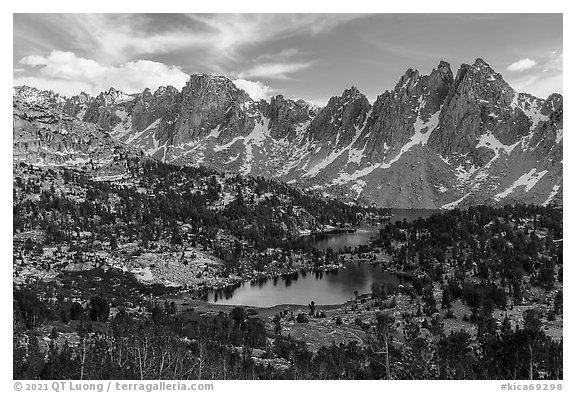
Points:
434	141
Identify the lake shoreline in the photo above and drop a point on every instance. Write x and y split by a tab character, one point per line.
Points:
200	306
334	285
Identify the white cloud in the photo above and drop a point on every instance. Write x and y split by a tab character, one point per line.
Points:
256	90
65	65
230	32
274	70
539	85
522	65
543	79
275	57
68	74
220	37
554	63
275	65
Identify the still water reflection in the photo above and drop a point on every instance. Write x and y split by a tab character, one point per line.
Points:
332	287
335	287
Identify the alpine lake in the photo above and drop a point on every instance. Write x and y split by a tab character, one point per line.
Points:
323	287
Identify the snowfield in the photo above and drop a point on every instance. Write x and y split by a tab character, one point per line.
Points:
528	180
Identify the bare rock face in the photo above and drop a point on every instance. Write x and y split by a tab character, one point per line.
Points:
337	123
435	140
286	115
36	98
105	109
480	102
399	115
208	102
163	106
77	105
44	137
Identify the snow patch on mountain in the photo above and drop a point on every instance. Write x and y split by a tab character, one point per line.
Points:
215	133
121	97
324	163
463	175
528	180
121	114
490	141
534	113
358	187
422	131
454	204
139	135
554	192
123	129
354	155
559	135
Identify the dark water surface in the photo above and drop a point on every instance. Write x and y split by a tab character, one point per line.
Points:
325	288
335	287
338	241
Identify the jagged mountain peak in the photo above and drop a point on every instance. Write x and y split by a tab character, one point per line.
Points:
113	96
162	90
443	71
555	101
34	96
208	81
285	116
443	65
280	101
434	140
408	80
212	77
481	68
482	72
411	73
348	96
216	88
352	91
479	82
84	96
113	91
277	98
480	63
339	121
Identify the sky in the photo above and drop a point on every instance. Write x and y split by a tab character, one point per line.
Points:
309	56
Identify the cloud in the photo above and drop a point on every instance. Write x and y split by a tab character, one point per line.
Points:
539	85
522	65
278	65
68	74
554	63
256	90
543	79
280	56
274	70
218	38
230	32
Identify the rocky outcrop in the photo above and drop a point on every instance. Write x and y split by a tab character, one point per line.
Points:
209	102
37	98
103	110
44	137
401	114
338	122
286	115
479	102
77	105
